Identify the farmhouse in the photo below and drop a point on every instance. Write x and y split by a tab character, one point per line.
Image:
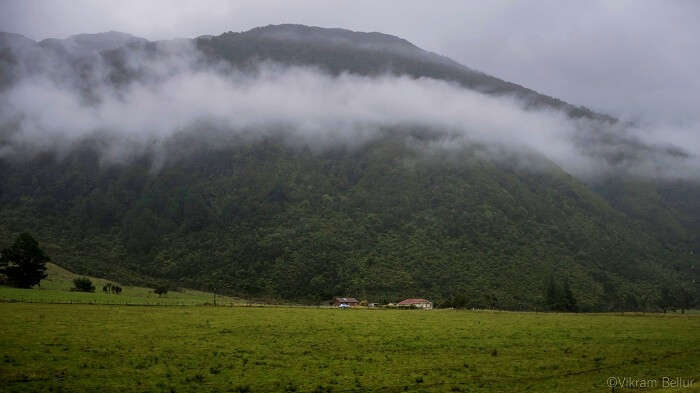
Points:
417	303
350	301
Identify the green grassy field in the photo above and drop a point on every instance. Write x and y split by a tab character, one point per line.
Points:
63	347
56	289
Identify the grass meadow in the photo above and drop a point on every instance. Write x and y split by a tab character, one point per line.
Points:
108	348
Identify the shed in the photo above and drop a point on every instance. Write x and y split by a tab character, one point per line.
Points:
350	301
417	303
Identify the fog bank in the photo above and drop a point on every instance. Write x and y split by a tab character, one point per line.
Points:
179	92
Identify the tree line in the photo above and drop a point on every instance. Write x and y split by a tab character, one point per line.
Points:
23	265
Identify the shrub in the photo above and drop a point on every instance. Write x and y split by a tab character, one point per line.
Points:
83	284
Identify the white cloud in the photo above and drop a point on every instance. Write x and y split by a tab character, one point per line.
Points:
634	59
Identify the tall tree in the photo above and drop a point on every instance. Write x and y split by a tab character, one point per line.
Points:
559	296
569	300
631	302
24	263
667	300
684	299
553	294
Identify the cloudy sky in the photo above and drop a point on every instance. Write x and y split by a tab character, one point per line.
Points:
635	59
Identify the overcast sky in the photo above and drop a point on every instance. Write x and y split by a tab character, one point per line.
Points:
634	59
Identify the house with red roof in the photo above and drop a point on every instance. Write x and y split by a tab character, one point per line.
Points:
416	303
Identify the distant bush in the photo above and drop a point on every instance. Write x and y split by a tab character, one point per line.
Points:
162	290
112	288
459	301
83	284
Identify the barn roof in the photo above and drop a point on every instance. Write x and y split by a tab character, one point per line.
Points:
408	302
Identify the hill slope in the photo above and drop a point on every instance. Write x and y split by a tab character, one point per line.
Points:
390	217
56	288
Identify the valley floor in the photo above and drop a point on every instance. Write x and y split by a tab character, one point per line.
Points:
64	347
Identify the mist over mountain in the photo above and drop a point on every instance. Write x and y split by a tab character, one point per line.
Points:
302	162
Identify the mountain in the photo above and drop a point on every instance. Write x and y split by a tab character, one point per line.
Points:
60	59
340	50
12	40
86	44
385	218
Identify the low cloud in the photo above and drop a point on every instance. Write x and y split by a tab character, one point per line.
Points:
178	93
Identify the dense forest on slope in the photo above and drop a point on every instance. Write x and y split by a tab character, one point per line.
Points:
382	221
395	216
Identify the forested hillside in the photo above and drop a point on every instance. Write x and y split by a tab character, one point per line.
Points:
395	215
382	221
